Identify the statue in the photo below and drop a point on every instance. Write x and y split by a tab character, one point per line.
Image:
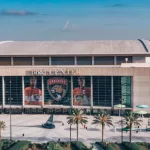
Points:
49	124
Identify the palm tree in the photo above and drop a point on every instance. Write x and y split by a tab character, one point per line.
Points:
77	118
130	119
2	127
102	119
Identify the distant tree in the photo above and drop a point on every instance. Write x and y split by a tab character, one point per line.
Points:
2	127
77	118
130	119
102	119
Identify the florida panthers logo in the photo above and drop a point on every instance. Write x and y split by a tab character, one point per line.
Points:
57	88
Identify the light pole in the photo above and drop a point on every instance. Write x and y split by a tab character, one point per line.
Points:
10	109
70	124
121	120
70	133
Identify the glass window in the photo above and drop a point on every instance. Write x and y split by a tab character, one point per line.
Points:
5	61
104	60
84	60
122	59
41	61
122	90
102	91
62	60
57	90
22	61
1	93
15	87
82	91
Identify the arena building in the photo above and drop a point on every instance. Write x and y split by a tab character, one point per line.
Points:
56	76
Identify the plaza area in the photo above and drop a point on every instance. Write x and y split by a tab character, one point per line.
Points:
30	126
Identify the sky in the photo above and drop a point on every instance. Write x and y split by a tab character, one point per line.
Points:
74	20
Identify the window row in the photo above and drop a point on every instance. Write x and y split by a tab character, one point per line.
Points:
107	91
28	61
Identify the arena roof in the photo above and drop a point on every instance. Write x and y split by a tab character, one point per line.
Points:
114	47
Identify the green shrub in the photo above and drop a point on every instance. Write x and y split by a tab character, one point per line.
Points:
110	147
79	145
20	145
101	144
66	145
142	144
1	144
135	146
54	146
6	144
115	146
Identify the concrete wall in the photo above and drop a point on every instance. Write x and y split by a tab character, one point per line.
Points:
125	70
147	59
141	91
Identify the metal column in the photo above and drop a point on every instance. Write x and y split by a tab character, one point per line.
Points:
23	96
3	91
115	60
75	60
32	61
71	91
92	60
91	91
112	92
12	61
42	91
50	61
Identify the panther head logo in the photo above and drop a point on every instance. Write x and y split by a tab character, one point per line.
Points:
57	88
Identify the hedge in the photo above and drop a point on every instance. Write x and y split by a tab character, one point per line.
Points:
27	145
20	145
79	145
116	147
54	146
134	146
126	145
1	144
5	144
109	146
101	144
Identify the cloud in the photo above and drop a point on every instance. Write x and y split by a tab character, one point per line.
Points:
17	13
119	5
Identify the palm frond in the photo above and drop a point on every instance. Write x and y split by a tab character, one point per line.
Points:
131	118
2	125
102	119
77	117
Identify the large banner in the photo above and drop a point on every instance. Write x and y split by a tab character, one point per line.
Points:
82	91
57	90
33	90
